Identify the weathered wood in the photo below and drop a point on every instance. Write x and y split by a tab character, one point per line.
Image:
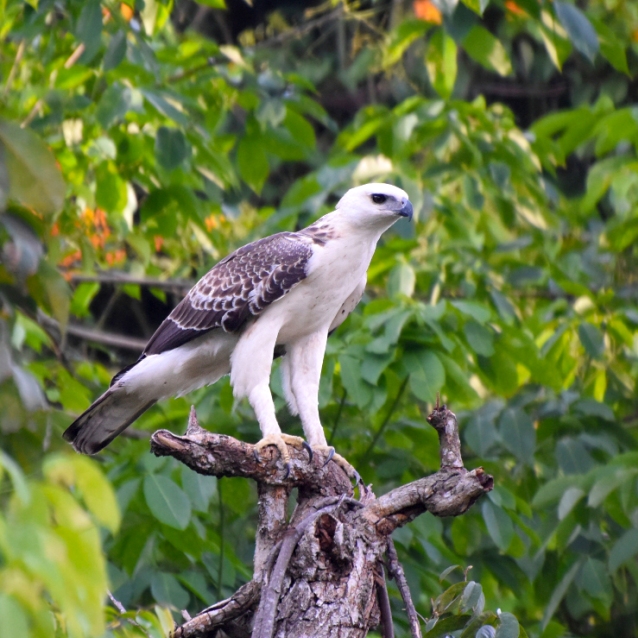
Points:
319	573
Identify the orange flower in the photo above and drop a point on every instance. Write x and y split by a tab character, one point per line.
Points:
114	257
71	259
159	242
55	230
126	11
210	222
425	10
512	7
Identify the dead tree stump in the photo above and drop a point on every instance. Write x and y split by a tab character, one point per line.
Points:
320	573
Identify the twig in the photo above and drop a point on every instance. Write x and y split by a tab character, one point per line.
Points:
37	107
96	336
116	603
125	278
397	573
444	422
14	68
388	416
220	569
333	431
265	618
387	628
220	613
75	56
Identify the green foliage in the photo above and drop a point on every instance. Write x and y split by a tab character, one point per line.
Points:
128	145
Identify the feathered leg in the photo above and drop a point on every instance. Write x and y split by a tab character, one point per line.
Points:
250	367
306	359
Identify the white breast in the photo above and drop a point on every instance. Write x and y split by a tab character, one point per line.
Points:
336	271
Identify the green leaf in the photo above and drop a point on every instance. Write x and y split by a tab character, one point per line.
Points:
17	477
478	6
440	61
473	598
448	625
83	473
518	434
508	627
56	289
89	29
166	590
252	162
15	620
401	280
624	549
559	593
487	50
110	193
480	432
477	311
480	338
358	390
34	179
611	480
116	51
167	502
552	491
572	456
427	374
171	148
612	48
594	579
401	38
498	523
166	103
579	29
200	489
213	4
592	339
568	501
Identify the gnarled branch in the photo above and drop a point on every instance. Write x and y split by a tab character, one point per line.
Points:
318	573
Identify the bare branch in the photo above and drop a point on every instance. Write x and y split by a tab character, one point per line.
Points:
387	628
449	492
115	278
221	455
397	573
220	613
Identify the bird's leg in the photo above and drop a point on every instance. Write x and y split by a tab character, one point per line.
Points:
303	376
261	401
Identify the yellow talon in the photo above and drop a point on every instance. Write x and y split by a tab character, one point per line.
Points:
280	441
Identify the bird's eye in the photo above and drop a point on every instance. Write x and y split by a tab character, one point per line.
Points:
379	199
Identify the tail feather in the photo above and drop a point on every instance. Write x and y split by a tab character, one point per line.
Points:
112	413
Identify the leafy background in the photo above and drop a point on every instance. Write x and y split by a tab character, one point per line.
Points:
142	143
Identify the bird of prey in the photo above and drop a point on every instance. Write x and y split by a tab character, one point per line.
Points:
281	295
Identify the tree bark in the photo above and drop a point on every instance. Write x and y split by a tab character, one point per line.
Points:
320	573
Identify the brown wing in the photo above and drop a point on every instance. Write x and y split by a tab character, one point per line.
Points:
238	287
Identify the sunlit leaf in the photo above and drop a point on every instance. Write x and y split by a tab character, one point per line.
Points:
34	179
440	61
487	50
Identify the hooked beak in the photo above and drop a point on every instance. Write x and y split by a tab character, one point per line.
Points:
406	210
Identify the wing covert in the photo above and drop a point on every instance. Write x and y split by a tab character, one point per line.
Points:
238	287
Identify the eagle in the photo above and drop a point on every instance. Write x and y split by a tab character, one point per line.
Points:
278	296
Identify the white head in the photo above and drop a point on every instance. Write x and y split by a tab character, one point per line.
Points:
375	206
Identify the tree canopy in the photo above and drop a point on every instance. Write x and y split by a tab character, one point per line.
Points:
143	141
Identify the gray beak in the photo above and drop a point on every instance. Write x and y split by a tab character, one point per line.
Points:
406	210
